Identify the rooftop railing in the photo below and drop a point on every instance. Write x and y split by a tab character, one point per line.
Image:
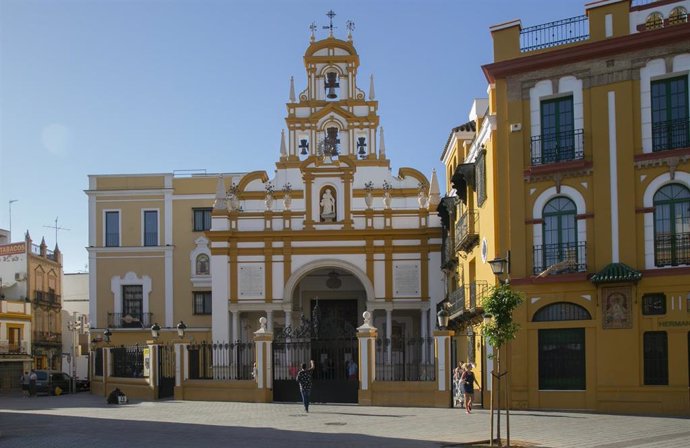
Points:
553	34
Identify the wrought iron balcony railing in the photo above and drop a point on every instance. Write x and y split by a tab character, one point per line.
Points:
130	320
47	337
672	249
467	231
456	299
553	34
468	296
50	298
561	258
13	348
558	147
670	134
477	290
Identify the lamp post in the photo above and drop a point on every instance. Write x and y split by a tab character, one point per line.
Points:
75	328
442	317
155	331
500	266
181	327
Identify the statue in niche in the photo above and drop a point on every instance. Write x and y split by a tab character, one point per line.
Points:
327	205
202	265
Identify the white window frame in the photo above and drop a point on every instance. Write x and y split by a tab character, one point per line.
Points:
119	225
158	225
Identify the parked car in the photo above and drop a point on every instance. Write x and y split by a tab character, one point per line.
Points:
47	382
83	385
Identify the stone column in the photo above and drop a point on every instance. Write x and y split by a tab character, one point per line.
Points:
263	371
107	369
366	335
181	368
444	386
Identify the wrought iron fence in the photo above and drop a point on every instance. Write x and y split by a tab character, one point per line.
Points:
553	34
457	299
670	134
467	230
98	362
571	256
672	249
558	147
401	359
477	290
128	361
221	360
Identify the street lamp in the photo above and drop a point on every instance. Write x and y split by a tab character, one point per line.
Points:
155	330
106	335
501	266
442	317
181	327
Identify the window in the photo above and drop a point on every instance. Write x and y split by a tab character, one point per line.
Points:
150	228
203	265
561	311
202	219
132	305
562	359
481	177
112	229
557	130
672	225
670	114
653	304
678	15
202	302
655	358
559	236
654	21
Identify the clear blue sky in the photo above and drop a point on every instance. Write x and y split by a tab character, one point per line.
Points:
110	86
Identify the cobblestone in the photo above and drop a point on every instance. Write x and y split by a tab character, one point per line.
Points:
74	420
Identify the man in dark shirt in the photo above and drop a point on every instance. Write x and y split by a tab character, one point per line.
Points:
304	381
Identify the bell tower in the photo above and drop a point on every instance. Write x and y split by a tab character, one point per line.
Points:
331	118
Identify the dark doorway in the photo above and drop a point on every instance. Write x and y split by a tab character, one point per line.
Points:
330	340
166	371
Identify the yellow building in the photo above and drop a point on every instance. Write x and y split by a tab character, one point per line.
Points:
588	193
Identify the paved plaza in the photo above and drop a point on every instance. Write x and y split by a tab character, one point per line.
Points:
86	420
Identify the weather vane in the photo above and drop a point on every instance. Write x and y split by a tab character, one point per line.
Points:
350	25
313	28
330	14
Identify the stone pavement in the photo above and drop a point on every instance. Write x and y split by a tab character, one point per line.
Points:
86	420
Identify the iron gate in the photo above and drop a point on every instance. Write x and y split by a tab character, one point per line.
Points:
166	371
331	342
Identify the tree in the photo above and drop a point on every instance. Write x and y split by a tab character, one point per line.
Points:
498	329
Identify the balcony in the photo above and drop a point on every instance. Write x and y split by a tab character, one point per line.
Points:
130	320
47	338
560	258
467	231
456	299
13	348
46	298
448	258
672	134
557	147
553	34
672	249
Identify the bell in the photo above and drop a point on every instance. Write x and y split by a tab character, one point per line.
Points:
331	93
304	145
331	84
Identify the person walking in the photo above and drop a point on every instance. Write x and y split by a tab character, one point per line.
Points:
468	380
24	380
304	381
32	383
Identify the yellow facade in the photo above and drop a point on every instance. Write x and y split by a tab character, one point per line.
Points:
582	152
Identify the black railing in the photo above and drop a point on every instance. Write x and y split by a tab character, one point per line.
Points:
476	292
128	362
558	147
448	253
553	34
560	258
467	231
670	134
221	361
98	362
457	300
150	238
672	249
130	320
112	239
401	359
46	297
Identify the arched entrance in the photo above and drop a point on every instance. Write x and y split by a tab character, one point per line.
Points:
326	302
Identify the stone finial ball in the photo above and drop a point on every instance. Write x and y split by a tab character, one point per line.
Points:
367	316
262	321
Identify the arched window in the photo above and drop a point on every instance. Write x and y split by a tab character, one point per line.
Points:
672	225
203	265
560	233
678	15
654	21
561	311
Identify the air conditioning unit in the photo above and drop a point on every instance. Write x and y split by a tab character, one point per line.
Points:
19	276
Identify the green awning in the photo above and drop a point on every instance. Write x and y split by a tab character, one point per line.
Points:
616	272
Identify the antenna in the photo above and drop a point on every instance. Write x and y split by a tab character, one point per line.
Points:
56	227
